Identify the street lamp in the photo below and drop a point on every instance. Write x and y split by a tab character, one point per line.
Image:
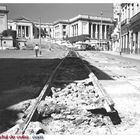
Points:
101	31
40	34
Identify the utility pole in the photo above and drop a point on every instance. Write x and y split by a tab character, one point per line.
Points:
101	31
40	34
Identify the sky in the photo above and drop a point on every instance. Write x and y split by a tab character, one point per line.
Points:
50	12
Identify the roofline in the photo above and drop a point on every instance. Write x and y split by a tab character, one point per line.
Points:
84	17
17	19
88	17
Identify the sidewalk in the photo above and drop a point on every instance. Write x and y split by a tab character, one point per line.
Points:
132	56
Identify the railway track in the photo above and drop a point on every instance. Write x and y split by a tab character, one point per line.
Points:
72	69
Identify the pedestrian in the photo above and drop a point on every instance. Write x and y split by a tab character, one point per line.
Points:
36	50
120	52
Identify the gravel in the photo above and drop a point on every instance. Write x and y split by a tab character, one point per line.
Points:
67	111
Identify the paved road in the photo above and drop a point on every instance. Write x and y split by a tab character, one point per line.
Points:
120	77
22	76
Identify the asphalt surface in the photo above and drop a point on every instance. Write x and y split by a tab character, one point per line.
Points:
22	76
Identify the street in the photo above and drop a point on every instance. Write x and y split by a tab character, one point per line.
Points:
121	79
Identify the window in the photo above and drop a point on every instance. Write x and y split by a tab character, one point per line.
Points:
56	27
64	26
132	9
64	33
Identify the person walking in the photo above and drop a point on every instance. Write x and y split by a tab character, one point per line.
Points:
36	50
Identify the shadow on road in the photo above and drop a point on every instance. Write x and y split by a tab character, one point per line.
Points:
23	79
101	75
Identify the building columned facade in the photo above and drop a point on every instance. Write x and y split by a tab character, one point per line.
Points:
22	26
96	28
130	28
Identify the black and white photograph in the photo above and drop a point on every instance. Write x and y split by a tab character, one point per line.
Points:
69	69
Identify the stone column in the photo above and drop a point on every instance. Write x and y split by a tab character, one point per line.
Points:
31	32
73	30
21	31
76	29
91	30
126	42
79	27
134	46
25	31
123	42
130	41
101	31
96	31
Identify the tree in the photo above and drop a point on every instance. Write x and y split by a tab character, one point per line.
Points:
110	31
9	32
36	32
12	33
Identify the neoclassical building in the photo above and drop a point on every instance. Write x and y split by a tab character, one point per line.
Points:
95	27
60	29
46	27
22	26
27	29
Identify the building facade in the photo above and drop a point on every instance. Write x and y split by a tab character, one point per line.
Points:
22	26
27	29
117	29
45	27
5	42
60	29
130	28
96	28
3	18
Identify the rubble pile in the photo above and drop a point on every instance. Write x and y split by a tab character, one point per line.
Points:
67	111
